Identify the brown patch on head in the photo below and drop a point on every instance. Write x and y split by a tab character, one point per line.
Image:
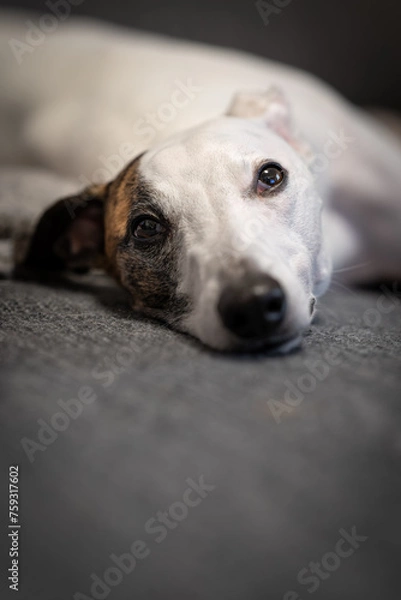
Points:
117	211
149	273
94	229
84	230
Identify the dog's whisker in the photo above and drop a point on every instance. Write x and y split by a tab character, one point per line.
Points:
342	286
353	267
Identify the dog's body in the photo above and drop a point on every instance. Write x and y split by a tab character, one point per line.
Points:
231	246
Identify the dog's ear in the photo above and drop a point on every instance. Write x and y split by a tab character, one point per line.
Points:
270	105
69	235
272	108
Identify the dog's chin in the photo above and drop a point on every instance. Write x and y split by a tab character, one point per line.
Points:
269	346
215	337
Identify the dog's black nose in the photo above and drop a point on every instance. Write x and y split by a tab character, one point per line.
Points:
253	308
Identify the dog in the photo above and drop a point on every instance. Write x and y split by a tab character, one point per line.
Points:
247	182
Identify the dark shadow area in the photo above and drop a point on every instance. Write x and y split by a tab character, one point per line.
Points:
353	45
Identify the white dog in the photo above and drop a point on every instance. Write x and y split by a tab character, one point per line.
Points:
205	174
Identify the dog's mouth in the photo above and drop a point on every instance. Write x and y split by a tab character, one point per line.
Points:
281	344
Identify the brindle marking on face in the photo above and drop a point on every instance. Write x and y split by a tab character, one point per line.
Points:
149	273
116	214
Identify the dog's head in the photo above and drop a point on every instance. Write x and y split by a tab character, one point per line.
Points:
217	231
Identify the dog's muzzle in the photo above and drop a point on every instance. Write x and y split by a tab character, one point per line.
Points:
253	308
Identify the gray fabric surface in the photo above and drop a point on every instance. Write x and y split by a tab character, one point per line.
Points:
175	411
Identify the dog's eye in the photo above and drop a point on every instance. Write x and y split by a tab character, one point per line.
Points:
270	176
147	228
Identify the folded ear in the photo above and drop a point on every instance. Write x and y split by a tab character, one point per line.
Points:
69	235
273	109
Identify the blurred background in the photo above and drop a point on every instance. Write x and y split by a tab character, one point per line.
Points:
354	45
